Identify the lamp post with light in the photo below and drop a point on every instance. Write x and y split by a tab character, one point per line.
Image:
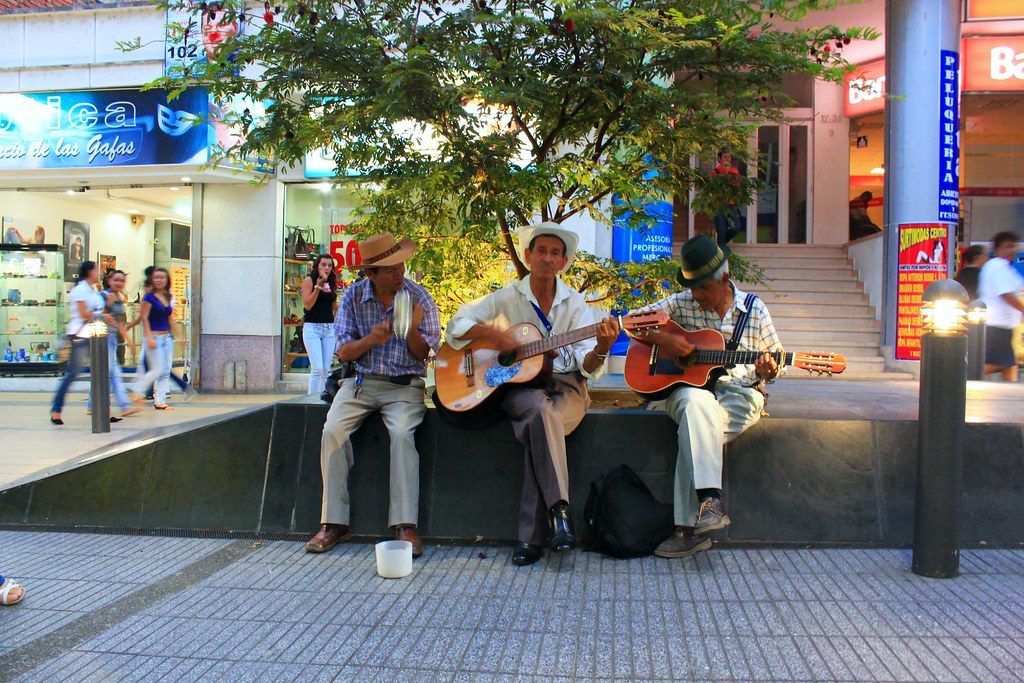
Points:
976	315
99	375
941	411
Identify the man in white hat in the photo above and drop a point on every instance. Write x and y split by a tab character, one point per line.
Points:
709	417
542	416
389	378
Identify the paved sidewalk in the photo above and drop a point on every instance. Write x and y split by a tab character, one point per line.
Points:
124	608
29	443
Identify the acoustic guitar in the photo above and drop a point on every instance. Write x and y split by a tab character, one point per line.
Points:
466	378
652	376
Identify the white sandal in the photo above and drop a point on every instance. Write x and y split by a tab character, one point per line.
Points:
5	592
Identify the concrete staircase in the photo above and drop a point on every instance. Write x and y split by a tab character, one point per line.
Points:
818	304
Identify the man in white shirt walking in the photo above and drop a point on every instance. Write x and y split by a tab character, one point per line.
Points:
1000	286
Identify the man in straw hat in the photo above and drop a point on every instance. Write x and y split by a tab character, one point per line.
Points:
710	416
389	378
542	416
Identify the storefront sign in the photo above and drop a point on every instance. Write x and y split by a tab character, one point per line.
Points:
982	10
949	137
865	90
343	241
638	246
923	259
994	63
181	283
101	128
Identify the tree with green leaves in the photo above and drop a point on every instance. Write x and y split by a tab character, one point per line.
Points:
461	120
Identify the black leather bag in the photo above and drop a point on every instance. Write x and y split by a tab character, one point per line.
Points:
334	380
623	517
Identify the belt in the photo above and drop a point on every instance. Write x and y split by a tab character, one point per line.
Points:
403	380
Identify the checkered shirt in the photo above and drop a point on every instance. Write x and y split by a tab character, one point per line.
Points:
759	334
360	310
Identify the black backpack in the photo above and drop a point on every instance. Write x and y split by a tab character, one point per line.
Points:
623	517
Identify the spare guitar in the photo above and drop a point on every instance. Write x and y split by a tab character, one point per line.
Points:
652	376
469	376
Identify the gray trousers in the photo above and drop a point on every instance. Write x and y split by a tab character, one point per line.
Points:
402	408
706	423
541	417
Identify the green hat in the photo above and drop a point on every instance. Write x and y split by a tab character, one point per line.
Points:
700	257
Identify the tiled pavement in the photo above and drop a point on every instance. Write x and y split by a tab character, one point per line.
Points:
121	608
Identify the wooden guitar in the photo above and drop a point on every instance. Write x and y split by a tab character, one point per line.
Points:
651	376
467	377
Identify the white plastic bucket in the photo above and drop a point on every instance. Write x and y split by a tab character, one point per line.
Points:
394	559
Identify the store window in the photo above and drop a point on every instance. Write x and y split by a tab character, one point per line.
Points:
867	174
318	219
992	167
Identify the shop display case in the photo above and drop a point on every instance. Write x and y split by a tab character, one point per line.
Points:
34	308
294	352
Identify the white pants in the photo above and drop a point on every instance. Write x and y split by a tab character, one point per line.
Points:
402	408
320	342
706	423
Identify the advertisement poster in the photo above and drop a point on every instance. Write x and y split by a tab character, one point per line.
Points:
197	32
17	231
949	138
76	246
638	246
107	263
181	280
102	128
923	259
344	244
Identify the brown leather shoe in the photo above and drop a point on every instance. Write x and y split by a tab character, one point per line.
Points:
329	536
407	532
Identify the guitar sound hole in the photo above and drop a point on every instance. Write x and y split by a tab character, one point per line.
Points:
507	359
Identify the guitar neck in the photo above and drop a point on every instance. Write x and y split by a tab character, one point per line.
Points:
536	348
723	357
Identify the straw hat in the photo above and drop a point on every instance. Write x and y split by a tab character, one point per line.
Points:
568	237
383	250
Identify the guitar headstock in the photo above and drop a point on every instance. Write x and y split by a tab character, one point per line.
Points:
637	323
822	363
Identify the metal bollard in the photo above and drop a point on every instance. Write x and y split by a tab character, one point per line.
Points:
941	413
976	316
99	374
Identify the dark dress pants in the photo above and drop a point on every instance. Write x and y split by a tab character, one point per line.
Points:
541	417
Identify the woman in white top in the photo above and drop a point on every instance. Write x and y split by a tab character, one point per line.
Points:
85	302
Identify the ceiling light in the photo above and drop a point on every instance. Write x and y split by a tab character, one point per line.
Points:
173	189
70	191
186	179
324	187
133	210
184	211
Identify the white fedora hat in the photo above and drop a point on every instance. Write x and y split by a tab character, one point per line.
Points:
568	237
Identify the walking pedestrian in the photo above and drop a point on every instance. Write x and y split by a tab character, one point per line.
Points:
142	366
157	308
319	297
10	592
84	303
113	295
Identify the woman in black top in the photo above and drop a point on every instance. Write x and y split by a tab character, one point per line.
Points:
319	293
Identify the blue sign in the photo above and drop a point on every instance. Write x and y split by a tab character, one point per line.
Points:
629	244
102	128
949	137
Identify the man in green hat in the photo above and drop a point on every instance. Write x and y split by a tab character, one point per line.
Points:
710	416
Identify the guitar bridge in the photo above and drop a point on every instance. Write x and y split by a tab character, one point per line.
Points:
467	367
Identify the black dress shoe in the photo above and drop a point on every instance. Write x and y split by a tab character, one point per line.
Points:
564	537
526	553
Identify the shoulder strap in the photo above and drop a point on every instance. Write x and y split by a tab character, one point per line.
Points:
741	324
543	318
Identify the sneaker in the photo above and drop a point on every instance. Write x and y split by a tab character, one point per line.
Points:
682	543
712	516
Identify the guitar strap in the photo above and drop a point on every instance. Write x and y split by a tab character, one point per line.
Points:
741	324
543	318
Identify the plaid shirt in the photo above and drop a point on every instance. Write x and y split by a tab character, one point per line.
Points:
759	334
360	310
